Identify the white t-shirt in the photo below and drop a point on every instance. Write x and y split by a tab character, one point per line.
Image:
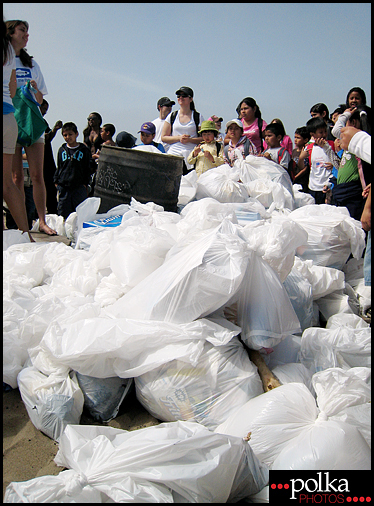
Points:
25	74
159	123
319	175
7	71
189	128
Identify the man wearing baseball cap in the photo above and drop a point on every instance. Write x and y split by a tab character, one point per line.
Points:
164	106
147	134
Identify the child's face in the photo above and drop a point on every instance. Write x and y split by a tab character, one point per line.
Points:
272	140
320	133
354	99
146	138
300	141
105	135
207	136
234	132
70	137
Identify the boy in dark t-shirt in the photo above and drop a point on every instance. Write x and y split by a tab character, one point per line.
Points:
73	171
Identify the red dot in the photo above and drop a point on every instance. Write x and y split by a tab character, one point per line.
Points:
355	499
368	499
286	485
273	486
349	499
362	499
280	486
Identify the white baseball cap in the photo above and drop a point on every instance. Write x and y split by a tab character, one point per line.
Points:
234	122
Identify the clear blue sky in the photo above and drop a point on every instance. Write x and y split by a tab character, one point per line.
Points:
119	59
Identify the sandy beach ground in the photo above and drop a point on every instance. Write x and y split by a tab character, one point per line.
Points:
28	453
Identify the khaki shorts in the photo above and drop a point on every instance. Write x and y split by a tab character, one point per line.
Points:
10	134
39	141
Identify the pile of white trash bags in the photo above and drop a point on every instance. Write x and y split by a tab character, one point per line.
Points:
169	302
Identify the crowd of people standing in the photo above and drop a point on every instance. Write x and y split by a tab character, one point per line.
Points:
321	160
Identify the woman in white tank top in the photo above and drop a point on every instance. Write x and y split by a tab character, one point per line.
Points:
183	134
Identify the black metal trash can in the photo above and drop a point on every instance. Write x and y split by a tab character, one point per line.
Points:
148	177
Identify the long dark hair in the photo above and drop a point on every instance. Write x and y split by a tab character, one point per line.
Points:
6	44
251	102
24	56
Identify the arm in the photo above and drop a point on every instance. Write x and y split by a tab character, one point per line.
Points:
366	214
38	94
341	122
333	158
51	135
166	137
13	83
356	142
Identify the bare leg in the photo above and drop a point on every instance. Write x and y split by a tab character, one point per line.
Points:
35	157
14	198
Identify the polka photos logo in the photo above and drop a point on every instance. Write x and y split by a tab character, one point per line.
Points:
320	487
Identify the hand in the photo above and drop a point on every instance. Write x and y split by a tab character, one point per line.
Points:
58	125
329	166
196	151
209	156
351	109
185	139
320	142
365	193
346	134
33	84
265	155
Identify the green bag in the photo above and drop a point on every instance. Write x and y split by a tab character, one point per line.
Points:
31	124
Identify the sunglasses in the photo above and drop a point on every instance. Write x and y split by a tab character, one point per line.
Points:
182	96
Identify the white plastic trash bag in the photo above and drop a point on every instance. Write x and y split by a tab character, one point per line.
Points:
329	446
104	348
324	280
332	234
336	347
192	283
137	251
223	380
187	188
221	183
289	432
301	296
338	389
265	312
54	221
276	241
170	462
258	167
51	402
294	373
269	192
11	237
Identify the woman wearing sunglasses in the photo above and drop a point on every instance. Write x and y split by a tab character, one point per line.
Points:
181	128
